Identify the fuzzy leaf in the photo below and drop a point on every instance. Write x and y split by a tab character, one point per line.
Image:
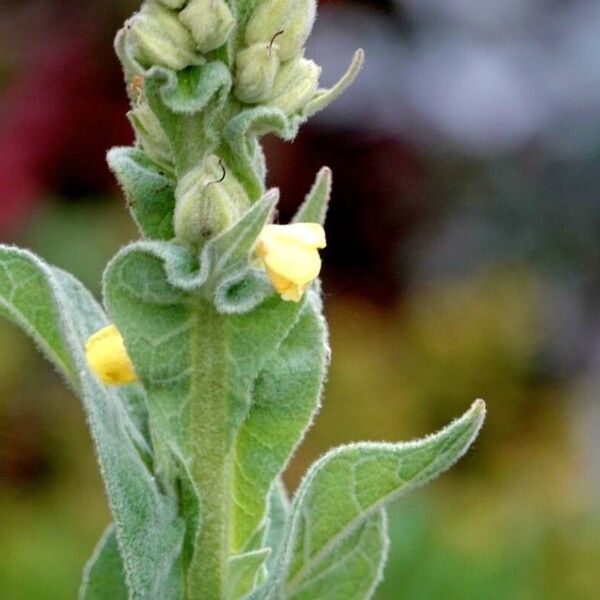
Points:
284	401
60	315
186	104
235	243
314	207
277	516
242	150
103	577
199	370
351	483
324	98
243	570
150	193
351	571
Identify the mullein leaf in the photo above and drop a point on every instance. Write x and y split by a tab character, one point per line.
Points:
353	569
241	146
187	104
324	98
314	207
150	192
104	576
60	315
243	571
350	484
207	375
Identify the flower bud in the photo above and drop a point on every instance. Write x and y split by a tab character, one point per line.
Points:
157	37
209	200
256	68
295	85
294	18
173	4
210	22
150	135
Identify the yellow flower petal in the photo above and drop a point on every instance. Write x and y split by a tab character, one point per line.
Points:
108	358
308	234
290	256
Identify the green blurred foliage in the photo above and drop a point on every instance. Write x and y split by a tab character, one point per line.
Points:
517	519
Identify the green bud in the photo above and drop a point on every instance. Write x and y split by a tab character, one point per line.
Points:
210	22
150	135
256	68
209	200
157	37
295	85
294	18
173	4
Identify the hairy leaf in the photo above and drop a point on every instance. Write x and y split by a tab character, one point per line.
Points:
243	571
201	371
351	483
150	193
60	315
187	104
352	570
314	207
104	577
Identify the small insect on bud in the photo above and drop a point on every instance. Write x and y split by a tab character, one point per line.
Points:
157	37
256	68
294	18
210	22
295	85
209	200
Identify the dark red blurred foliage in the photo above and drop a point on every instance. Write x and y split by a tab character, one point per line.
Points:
64	107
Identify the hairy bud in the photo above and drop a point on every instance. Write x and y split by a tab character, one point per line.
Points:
256	68
173	4
295	85
157	37
209	200
294	18
210	22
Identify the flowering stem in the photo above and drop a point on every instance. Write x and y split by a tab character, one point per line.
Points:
209	460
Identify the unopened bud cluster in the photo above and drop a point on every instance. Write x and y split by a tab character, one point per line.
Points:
264	55
271	68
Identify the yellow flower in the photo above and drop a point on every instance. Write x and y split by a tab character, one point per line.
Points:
290	255
108	358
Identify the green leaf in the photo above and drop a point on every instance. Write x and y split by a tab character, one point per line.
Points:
277	516
187	104
26	297
243	571
201	372
241	147
150	193
351	483
103	576
353	569
314	207
60	315
324	98
235	244
284	401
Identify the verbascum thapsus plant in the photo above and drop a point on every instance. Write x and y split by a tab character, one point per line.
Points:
204	367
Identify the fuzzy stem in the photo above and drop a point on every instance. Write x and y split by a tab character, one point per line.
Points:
209	467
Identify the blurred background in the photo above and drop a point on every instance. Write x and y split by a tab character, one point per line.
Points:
464	262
